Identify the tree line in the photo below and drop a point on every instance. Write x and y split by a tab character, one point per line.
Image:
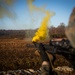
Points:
54	32
57	32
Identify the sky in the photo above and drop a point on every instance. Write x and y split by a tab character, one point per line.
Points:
24	19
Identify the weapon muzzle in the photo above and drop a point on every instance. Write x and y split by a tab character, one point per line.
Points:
36	45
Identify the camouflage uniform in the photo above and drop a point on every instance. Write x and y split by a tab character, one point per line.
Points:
44	70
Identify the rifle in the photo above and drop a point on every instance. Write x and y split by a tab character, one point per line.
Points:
62	47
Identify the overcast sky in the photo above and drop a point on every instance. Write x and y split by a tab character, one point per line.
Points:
26	20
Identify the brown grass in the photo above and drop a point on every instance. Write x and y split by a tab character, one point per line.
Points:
14	54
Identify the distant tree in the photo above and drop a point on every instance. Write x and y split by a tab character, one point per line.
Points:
57	32
61	30
62	26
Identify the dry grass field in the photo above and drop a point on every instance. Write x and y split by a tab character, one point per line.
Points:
14	54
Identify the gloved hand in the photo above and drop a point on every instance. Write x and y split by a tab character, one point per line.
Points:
43	53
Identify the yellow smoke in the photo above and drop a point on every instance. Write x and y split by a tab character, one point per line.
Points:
42	32
32	7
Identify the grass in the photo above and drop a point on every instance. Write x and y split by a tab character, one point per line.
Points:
14	54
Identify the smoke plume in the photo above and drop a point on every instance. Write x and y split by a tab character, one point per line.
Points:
42	32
